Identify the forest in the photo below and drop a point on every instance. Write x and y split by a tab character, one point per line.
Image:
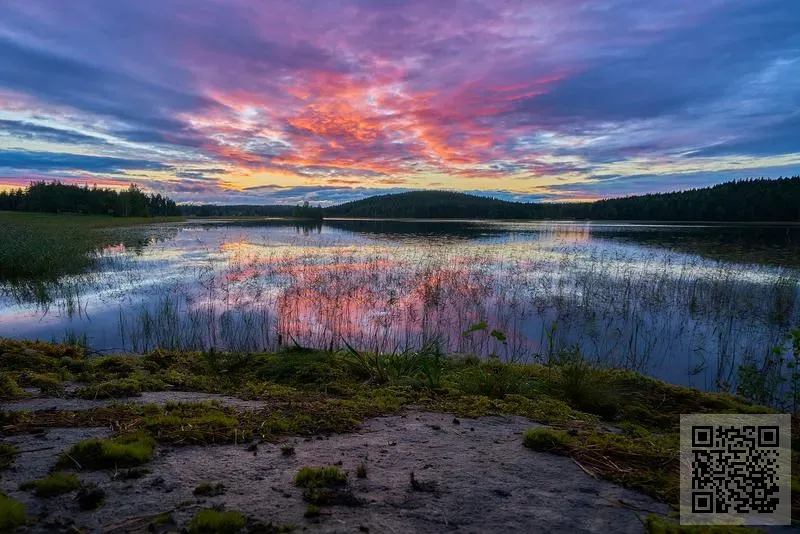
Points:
55	197
302	211
751	200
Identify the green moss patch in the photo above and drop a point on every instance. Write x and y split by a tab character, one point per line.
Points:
319	477
13	514
8	452
53	484
546	439
123	451
112	389
216	522
208	489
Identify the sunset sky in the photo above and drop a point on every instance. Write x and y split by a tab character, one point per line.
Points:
267	101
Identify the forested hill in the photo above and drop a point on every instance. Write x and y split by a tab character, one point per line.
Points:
743	200
55	197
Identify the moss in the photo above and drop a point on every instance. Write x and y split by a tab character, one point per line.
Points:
319	477
312	510
658	525
361	470
53	484
124	451
546	439
9	388
194	423
207	489
48	383
216	522
112	389
8	452
13	514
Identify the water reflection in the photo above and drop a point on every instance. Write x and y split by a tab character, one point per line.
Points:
647	297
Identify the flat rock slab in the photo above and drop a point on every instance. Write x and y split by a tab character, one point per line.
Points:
485	481
37	404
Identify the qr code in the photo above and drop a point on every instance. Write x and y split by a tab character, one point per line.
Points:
735	469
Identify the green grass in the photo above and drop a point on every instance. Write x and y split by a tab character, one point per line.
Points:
207	489
45	246
216	522
13	514
546	439
8	452
320	477
658	525
123	451
53	484
112	389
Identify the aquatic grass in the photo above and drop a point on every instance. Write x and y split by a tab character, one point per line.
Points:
8	452
209	489
546	439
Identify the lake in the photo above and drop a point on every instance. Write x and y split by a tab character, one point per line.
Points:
687	303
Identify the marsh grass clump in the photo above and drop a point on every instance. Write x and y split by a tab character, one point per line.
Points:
8	452
320	477
213	521
361	470
546	439
113	389
585	389
13	514
9	388
90	497
49	384
654	524
312	510
123	451
208	489
199	423
53	484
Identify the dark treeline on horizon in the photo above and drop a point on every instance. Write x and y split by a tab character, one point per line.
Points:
753	200
55	197
302	211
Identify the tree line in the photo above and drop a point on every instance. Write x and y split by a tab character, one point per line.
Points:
55	197
751	200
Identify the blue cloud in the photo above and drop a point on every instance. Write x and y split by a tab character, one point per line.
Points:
55	161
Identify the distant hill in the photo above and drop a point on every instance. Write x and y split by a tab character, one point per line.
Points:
754	200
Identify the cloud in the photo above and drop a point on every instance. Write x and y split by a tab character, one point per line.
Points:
518	98
53	161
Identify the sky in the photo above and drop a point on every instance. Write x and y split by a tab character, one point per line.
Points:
273	101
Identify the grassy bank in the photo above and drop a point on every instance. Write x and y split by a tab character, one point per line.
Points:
617	425
45	246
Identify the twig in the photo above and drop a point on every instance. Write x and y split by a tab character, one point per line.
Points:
583	468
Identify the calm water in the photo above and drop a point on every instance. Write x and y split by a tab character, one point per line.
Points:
687	303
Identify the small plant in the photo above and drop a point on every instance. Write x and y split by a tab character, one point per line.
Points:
207	489
9	389
361	470
112	389
545	439
90	497
312	510
52	485
320	477
124	451
216	522
428	486
7	454
13	514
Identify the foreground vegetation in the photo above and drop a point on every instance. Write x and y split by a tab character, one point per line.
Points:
315	392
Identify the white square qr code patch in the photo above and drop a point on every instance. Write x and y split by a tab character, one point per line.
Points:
735	469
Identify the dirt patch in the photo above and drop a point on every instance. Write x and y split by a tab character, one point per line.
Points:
474	475
38	404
